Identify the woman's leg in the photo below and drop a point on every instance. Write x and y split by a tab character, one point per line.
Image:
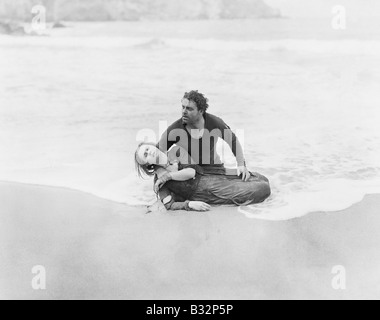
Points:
227	190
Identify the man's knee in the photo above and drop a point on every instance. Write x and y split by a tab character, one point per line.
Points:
258	177
264	178
263	191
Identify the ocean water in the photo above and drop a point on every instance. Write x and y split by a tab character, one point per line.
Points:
303	98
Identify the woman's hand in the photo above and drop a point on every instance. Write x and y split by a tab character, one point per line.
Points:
161	181
199	206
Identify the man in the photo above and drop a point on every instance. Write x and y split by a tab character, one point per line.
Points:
198	132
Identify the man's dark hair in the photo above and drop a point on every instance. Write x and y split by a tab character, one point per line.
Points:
198	98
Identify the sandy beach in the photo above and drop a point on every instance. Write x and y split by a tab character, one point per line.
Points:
97	249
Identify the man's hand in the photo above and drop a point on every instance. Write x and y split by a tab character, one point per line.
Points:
245	173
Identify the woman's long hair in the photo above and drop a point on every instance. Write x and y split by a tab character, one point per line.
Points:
145	170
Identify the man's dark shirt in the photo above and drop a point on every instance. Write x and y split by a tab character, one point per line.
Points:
203	151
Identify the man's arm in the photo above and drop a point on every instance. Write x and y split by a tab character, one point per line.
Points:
236	148
171	201
171	136
183	175
232	140
164	144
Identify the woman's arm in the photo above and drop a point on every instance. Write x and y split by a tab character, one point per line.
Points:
170	202
183	175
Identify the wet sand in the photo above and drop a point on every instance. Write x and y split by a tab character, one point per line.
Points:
96	249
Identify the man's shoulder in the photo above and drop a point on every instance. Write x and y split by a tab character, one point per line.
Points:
214	122
175	125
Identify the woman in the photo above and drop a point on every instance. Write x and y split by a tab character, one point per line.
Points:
191	187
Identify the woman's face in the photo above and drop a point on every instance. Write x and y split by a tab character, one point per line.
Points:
148	154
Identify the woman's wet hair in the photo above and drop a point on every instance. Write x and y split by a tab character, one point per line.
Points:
199	98
144	170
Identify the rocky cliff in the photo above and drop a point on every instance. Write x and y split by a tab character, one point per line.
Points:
112	10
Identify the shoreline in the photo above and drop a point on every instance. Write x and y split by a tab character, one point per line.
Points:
142	207
97	249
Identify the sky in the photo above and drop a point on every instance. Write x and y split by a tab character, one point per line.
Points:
323	8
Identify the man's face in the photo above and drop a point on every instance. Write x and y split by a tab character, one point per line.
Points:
190	112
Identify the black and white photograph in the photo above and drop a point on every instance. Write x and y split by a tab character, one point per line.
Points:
189	150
